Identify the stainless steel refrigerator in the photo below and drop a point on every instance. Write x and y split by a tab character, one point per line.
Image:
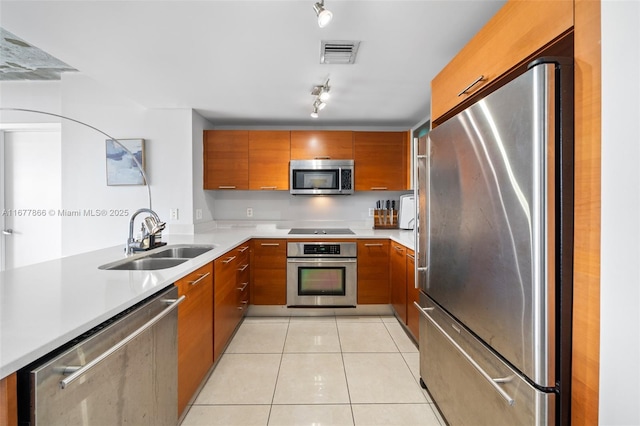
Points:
495	236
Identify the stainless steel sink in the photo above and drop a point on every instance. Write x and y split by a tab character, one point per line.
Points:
147	264
183	252
166	257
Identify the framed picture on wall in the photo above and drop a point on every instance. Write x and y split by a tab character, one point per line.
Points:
121	167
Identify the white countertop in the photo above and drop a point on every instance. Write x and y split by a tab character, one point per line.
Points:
46	305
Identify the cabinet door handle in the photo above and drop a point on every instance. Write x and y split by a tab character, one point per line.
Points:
202	277
412	257
241	269
227	187
378	188
270	244
228	260
243	249
326	157
77	371
476	81
269	187
373	244
244	285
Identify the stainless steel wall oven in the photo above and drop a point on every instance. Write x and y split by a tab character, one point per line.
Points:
322	274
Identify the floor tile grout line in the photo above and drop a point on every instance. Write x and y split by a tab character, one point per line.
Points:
275	387
344	370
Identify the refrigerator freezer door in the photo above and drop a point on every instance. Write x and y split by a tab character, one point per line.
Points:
470	384
490	221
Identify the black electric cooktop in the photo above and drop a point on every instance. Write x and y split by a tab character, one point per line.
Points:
321	231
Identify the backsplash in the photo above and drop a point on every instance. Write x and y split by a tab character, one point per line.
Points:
282	206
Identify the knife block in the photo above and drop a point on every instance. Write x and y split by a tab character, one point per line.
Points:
385	219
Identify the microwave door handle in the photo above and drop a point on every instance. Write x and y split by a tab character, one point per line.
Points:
340	179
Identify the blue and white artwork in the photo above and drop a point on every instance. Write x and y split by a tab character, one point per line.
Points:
121	167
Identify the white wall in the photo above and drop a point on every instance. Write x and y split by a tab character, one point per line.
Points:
167	135
199	124
620	256
169	157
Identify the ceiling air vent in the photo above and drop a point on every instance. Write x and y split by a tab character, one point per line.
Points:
338	52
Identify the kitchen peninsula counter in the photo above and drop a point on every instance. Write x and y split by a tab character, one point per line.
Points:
46	305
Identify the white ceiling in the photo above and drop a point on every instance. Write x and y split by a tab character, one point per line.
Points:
255	62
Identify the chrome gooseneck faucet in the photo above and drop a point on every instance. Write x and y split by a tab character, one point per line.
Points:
152	225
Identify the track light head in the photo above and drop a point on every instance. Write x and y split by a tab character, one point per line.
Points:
324	15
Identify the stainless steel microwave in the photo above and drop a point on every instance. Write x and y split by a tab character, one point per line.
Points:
320	177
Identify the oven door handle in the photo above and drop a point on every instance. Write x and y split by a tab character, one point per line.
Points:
322	260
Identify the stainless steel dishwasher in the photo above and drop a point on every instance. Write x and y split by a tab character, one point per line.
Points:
123	372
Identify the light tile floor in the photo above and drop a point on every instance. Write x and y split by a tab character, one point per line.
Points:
316	371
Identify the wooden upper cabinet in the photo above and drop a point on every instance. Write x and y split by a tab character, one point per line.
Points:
269	159
226	159
381	161
307	145
517	34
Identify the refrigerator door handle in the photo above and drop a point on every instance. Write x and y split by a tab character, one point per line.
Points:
493	382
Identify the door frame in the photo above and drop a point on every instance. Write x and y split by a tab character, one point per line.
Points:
15	127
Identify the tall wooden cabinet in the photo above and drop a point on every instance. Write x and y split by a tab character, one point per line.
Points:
519	32
195	332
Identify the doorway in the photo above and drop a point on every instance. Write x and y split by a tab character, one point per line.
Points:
30	194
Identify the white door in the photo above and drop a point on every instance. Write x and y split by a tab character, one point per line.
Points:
31	196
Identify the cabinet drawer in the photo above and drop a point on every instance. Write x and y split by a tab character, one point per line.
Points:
191	281
516	34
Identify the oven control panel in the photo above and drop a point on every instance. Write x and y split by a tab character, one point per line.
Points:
322	249
332	249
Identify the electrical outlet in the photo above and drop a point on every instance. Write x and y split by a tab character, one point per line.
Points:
198	214
173	214
371	212
249	212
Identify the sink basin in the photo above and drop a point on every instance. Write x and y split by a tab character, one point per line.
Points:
147	264
164	258
183	252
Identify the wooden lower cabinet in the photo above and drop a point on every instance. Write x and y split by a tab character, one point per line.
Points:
413	295
398	278
195	332
8	401
269	272
231	272
373	272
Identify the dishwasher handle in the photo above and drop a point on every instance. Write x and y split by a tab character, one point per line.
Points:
495	383
79	371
